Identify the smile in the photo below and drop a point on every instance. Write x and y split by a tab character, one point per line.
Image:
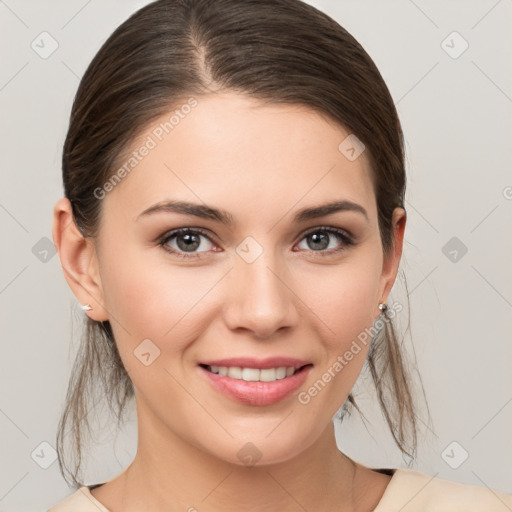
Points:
253	385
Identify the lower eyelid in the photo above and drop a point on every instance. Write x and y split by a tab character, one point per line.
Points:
345	238
164	242
345	241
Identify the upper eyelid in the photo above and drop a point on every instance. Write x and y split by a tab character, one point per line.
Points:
330	229
201	231
174	232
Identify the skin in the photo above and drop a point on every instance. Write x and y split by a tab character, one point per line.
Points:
262	164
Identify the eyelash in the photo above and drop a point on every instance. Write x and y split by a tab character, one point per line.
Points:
347	240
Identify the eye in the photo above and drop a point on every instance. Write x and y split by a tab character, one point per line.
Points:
184	242
323	240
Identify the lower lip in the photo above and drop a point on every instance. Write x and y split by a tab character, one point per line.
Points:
257	392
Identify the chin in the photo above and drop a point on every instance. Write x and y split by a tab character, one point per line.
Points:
261	449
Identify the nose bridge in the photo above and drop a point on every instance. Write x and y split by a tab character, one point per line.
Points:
258	298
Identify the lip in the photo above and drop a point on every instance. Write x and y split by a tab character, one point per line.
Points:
257	393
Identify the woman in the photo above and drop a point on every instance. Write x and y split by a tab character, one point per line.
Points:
232	225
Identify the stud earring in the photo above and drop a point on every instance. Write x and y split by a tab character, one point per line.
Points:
86	307
383	306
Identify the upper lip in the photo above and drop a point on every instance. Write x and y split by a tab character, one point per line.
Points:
252	362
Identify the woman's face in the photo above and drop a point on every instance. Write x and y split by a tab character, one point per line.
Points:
259	282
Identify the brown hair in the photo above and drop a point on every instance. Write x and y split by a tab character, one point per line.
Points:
279	51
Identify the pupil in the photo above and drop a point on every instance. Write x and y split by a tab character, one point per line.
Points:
189	241
317	238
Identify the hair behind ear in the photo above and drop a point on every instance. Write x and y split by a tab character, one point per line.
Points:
98	374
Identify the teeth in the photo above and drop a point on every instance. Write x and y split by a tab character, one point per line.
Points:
280	372
235	372
250	374
253	374
268	374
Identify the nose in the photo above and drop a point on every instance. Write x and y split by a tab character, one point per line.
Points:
259	299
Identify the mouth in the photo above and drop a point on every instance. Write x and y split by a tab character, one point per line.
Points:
256	384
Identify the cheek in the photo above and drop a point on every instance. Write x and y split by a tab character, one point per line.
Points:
343	298
159	302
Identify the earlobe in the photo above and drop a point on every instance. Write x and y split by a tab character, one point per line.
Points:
78	259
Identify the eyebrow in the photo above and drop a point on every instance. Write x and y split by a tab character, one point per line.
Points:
224	217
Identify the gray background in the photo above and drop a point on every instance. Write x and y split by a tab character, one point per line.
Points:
456	115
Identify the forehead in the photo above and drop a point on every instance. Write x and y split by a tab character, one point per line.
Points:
243	153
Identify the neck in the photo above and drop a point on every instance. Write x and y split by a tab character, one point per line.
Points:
170	474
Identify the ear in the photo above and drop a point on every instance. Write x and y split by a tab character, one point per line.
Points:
78	259
392	259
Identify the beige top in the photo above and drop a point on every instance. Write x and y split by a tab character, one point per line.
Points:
407	491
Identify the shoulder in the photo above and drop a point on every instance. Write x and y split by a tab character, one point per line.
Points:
80	501
412	491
